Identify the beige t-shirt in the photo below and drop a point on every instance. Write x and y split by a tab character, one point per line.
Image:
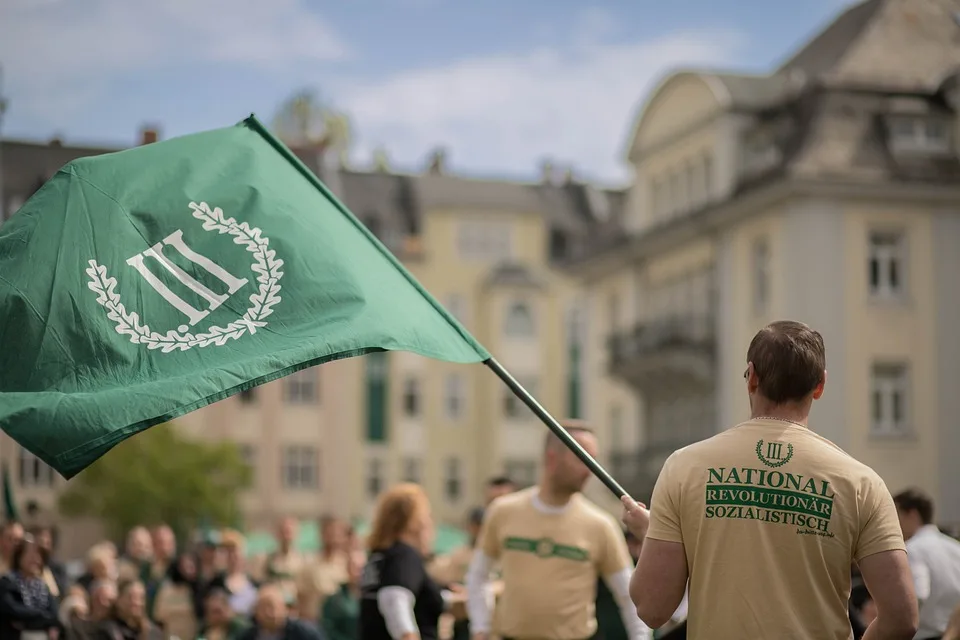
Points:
772	517
320	578
550	562
173	608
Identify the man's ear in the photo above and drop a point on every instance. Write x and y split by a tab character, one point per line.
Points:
818	390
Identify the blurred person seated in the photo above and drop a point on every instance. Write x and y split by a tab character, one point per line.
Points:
28	611
82	615
234	579
322	576
128	618
220	622
272	619
285	565
11	532
340	616
173	608
164	556
101	565
54	573
135	564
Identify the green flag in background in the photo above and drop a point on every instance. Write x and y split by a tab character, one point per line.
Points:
141	285
10	511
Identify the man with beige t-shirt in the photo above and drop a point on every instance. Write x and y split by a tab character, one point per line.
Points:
767	518
552	545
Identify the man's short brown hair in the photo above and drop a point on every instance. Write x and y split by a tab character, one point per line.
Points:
572	426
789	359
914	499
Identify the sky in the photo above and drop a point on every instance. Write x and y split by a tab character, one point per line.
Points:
501	85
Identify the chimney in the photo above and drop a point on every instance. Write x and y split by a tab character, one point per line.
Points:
148	135
438	162
381	161
547	172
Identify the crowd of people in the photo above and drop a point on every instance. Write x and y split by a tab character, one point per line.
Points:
818	549
151	589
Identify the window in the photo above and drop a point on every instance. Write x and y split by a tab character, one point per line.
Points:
247	395
411	397
33	471
513	407
411	470
522	472
248	454
519	321
374	477
376	365
485	241
453	398
301	387
920	134
300	467
559	244
761	274
886	265
889	400
452	482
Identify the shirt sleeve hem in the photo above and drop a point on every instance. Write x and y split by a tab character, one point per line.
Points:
880	548
664	536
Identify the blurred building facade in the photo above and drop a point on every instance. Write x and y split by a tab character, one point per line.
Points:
827	191
330	438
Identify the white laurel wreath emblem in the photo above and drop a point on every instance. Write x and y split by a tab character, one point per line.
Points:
265	264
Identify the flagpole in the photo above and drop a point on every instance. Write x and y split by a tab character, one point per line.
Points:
568	440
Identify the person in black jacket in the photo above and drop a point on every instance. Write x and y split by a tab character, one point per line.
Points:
398	598
26	603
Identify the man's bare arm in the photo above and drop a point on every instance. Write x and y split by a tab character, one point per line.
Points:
888	579
659	581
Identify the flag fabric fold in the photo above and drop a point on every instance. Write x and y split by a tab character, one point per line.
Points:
140	285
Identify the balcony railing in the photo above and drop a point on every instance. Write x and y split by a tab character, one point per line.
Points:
637	470
693	331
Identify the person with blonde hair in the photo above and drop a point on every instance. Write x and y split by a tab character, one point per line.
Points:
398	598
236	580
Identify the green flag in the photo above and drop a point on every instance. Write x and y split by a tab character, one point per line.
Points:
141	285
10	511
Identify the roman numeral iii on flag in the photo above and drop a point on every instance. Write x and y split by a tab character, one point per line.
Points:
124	277
175	240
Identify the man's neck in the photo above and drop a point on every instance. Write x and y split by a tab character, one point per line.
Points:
551	497
789	412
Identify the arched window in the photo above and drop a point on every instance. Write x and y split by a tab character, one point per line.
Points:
519	321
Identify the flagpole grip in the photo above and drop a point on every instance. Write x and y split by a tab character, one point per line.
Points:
568	440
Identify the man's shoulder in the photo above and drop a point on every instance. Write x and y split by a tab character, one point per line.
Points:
521	499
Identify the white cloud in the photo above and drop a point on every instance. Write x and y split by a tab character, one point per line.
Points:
505	113
60	54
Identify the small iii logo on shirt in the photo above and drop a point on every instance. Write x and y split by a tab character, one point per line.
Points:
774	454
